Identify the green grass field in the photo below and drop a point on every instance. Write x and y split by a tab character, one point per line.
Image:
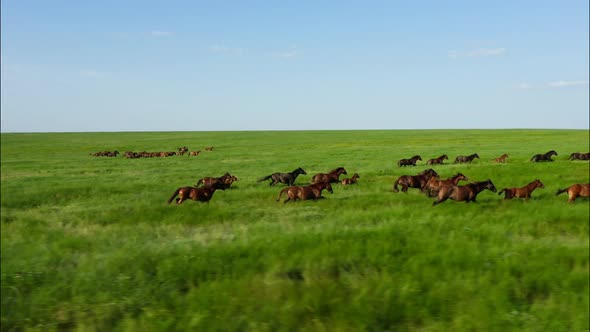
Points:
89	243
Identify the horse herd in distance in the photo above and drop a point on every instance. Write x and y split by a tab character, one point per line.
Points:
145	154
502	159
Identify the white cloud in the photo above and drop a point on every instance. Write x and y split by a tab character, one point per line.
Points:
561	84
221	49
525	85
158	33
454	54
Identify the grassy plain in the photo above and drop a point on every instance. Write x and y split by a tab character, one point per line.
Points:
89	244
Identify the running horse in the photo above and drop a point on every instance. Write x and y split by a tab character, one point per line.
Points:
224	181
544	157
414	181
352	180
203	194
524	192
330	177
312	191
408	162
501	159
579	156
466	159
575	190
434	184
287	178
438	160
467	193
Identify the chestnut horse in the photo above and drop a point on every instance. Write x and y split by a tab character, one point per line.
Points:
203	194
579	156
544	157
352	180
502	158
209	148
467	193
434	184
331	177
466	159
312	191
575	190
524	192
225	181
408	162
438	160
287	178
414	181
194	153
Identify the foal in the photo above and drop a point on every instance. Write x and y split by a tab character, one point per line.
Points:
502	158
524	192
352	180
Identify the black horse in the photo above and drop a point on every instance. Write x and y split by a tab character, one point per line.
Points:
287	178
579	156
408	162
544	157
466	159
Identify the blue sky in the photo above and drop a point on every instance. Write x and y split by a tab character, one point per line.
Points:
77	66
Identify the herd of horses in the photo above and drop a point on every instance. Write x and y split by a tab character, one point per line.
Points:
427	181
145	154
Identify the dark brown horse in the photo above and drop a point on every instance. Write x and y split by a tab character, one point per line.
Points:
579	156
209	148
287	178
408	162
312	191
182	150
331	177
414	181
223	182
575	190
352	180
501	159
466	159
544	157
437	161
467	193
434	184
203	194
524	192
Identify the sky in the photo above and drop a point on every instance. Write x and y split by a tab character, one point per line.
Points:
106	66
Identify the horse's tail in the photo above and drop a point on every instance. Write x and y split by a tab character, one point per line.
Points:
173	195
501	191
395	186
399	163
561	191
264	178
281	193
429	162
571	156
534	158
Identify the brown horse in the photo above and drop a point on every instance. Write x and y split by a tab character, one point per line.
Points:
209	148
579	156
467	193
502	158
544	157
466	159
224	181
287	178
524	192
182	150
434	184
203	194
438	160
575	190
312	191
414	181
331	177
194	153
408	162
352	180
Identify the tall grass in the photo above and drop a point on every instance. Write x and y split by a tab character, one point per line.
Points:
90	244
